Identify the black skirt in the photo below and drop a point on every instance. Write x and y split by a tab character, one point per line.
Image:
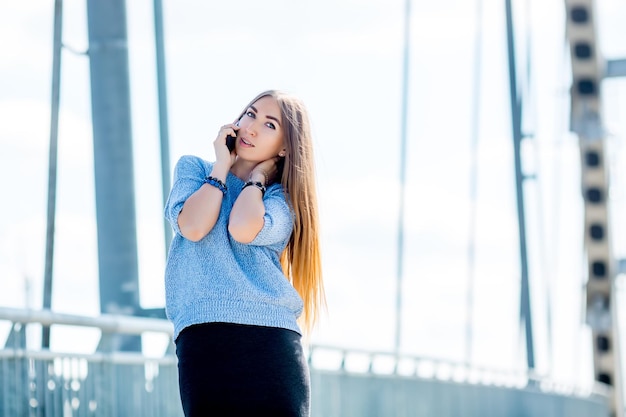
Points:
228	370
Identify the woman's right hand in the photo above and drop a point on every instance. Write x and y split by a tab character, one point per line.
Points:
223	155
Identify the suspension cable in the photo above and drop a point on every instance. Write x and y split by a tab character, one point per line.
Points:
474	139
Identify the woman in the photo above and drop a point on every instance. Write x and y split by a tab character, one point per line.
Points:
244	264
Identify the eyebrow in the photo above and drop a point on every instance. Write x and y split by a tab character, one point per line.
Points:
268	116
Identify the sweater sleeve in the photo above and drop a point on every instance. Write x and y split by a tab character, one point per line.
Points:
278	220
189	174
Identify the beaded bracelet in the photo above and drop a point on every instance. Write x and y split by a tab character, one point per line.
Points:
216	183
256	184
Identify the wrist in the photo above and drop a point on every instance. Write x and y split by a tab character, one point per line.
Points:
219	171
255	184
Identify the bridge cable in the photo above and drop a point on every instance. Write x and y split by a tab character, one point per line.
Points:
52	164
403	157
474	139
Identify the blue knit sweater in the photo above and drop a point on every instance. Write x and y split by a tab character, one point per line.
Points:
218	279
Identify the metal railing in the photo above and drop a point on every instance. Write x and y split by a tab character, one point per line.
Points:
43	383
345	382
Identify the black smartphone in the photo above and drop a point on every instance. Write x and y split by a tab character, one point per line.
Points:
230	142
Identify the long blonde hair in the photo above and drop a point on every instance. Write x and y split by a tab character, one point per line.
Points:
301	259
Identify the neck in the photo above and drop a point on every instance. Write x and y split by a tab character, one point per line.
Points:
242	168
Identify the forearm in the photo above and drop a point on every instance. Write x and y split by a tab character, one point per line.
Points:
246	216
202	208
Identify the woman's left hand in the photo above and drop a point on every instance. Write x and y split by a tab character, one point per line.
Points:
265	171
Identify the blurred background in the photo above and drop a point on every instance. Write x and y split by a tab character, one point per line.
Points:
414	142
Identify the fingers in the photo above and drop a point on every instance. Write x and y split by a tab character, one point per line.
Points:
228	130
226	136
267	169
225	147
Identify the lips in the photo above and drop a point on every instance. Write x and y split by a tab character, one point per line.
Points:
245	142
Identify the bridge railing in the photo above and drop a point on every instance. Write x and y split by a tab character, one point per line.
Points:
361	361
346	382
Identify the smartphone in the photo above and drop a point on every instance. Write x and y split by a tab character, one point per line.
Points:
230	142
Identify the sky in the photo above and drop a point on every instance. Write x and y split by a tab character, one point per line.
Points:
344	59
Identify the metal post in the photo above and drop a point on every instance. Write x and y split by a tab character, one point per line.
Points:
403	140
516	119
163	114
113	162
52	163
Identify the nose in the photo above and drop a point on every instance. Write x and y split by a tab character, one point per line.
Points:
251	128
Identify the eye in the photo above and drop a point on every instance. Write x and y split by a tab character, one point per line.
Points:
270	125
250	113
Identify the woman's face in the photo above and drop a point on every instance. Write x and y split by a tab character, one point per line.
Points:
260	134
